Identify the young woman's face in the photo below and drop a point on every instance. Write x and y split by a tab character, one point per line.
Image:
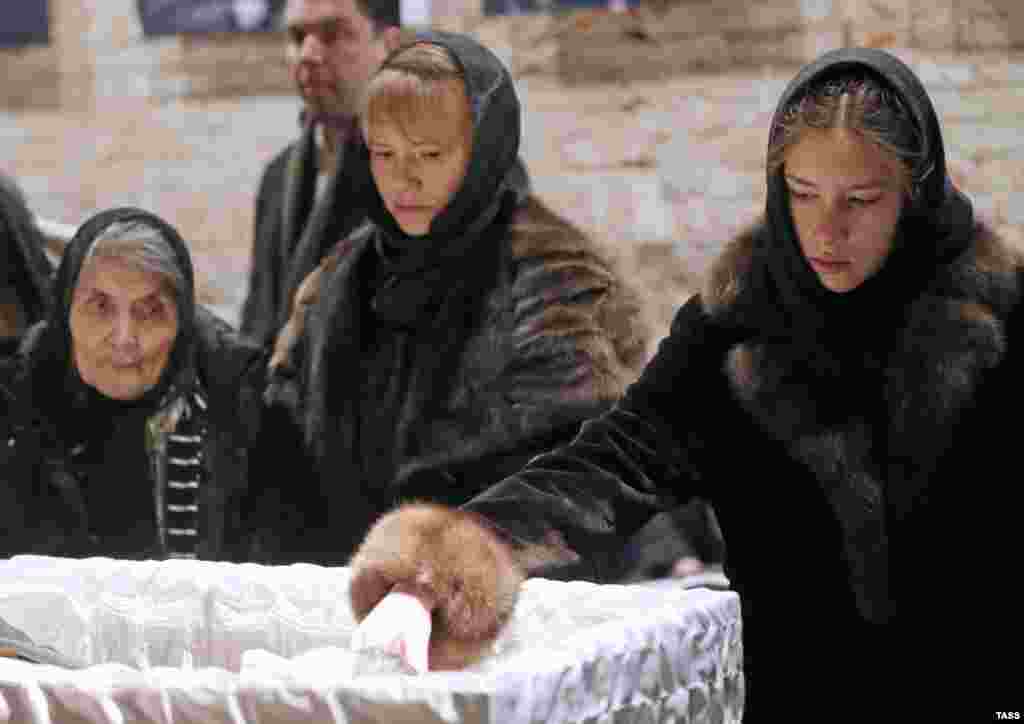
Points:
417	168
123	325
846	194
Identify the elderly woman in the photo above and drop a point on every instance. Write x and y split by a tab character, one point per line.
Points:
134	408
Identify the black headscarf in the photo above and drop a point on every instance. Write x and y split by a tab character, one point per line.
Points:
431	286
494	180
53	377
935	227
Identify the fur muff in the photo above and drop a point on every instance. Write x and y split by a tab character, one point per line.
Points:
456	561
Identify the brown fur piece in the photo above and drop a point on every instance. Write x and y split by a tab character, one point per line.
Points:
305	298
552	550
726	277
455	559
12	315
606	317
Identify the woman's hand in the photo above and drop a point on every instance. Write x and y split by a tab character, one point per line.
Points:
399	625
450	562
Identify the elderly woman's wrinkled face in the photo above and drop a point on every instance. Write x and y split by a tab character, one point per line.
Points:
845	195
123	325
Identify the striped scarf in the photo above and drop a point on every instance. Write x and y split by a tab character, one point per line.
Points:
175	439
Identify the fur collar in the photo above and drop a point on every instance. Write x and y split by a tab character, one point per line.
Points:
954	333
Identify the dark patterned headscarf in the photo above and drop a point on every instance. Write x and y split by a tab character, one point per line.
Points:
935	225
54	381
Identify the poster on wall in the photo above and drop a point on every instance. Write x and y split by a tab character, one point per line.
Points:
171	17
513	7
25	22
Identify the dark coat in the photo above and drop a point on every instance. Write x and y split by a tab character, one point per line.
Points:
854	446
443	388
433	365
293	230
25	271
733	420
84	475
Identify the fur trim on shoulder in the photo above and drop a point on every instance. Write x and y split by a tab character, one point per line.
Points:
954	330
987	271
454	557
306	297
725	278
585	296
953	334
12	313
992	253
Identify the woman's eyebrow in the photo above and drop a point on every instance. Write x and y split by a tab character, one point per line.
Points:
870	184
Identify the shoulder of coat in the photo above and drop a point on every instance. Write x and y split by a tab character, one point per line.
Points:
582	287
540	237
992	253
727	275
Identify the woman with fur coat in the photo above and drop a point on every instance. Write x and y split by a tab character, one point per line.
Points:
465	329
840	391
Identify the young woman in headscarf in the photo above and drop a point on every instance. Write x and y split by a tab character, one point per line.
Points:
467	327
134	408
840	392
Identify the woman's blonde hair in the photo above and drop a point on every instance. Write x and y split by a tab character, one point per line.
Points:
420	87
858	103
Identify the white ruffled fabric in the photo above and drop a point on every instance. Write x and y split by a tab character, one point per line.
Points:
197	641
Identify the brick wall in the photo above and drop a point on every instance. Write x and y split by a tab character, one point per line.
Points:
103	117
664	167
664	38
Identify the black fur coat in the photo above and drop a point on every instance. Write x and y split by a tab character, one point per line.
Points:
859	449
432	390
867	518
435	364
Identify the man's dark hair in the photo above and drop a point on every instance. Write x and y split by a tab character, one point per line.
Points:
382	13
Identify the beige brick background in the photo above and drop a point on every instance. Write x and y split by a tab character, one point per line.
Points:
646	128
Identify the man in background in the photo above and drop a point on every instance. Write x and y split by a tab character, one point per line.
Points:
333	48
